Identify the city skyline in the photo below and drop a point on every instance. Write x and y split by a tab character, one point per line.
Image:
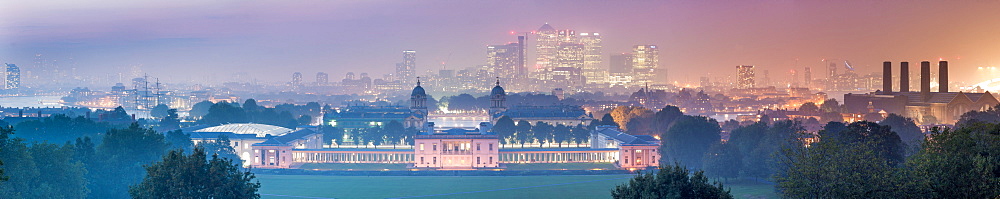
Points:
337	37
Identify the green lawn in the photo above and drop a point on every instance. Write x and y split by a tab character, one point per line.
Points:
591	186
353	166
560	166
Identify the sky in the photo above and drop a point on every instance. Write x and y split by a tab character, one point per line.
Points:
269	40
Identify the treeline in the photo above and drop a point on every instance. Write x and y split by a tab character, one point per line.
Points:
392	133
889	159
86	167
285	115
867	160
523	132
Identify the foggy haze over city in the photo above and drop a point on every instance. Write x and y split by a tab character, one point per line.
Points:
499	99
270	40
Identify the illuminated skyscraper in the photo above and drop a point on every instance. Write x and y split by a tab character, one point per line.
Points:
296	79
744	77
406	71
13	80
645	61
322	78
547	41
592	58
503	59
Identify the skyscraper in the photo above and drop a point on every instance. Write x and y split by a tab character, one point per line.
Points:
744	77
808	77
503	59
13	80
645	61
296	79
545	47
592	58
621	64
406	71
322	78
521	70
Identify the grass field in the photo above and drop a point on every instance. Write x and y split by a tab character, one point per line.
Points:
592	186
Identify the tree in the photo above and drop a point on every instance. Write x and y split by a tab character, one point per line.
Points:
885	142
223	148
959	163
200	109
991	115
688	140
723	160
178	140
542	132
665	118
223	113
671	182
560	134
59	128
830	105
41	170
394	132
159	111
171	121
607	119
830	169
809	108
624	114
119	160
581	134
195	176
250	105
306	120
332	135
505	129
831	117
524	132
905	128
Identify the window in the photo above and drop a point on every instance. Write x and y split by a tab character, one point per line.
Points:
435	160
638	151
491	160
421	160
477	147
421	146
491	147
477	160
236	143
626	150
435	147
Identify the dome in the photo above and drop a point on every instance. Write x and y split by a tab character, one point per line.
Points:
497	90
418	90
261	130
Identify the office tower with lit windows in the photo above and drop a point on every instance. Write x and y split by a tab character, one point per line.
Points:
322	78
406	71
592	61
744	77
296	79
547	40
13	80
503	59
645	61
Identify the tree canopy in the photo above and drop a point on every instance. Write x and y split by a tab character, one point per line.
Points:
195	176
671	182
